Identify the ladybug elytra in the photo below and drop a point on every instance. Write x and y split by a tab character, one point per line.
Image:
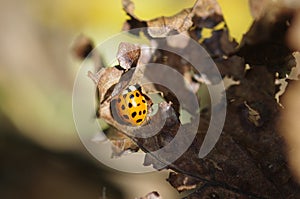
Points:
131	106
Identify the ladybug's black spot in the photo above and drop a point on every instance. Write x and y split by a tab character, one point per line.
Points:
140	113
138	104
139	120
133	114
144	111
129	105
137	94
144	101
119	100
123	107
131	96
126	117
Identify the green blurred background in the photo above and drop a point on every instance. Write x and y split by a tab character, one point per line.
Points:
41	154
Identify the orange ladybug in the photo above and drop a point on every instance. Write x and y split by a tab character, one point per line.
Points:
131	106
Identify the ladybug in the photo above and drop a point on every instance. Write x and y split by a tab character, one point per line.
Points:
131	106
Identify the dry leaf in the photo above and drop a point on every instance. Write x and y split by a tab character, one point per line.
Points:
163	26
206	8
105	79
128	55
248	160
120	143
265	42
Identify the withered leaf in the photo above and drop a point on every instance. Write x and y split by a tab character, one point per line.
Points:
105	79
178	23
134	25
120	143
208	14
128	55
265	42
163	26
233	66
208	22
219	43
206	8
248	160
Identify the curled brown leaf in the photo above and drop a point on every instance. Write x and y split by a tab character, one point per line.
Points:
128	55
163	26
